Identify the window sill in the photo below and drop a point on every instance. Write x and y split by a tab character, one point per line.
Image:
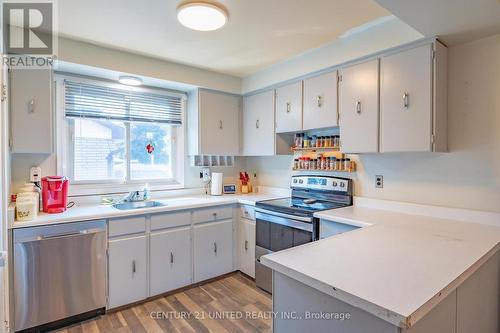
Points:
114	188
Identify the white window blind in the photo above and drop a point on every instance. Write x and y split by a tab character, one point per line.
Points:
86	100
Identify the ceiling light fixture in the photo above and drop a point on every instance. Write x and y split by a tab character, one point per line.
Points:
201	16
130	80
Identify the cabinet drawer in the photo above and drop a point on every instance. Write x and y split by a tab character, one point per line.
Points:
127	226
212	214
170	220
247	212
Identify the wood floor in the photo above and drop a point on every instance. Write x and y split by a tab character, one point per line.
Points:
232	304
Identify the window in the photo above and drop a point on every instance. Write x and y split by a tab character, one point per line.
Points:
118	136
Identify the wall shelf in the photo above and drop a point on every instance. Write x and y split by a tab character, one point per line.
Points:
321	170
313	149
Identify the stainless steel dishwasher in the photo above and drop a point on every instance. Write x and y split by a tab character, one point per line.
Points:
59	274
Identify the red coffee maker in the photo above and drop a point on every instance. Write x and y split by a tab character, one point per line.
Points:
54	194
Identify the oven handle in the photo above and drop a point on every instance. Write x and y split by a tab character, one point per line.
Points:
287	216
284	219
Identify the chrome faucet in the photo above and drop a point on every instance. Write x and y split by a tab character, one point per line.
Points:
132	196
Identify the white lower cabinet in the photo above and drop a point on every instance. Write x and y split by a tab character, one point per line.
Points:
213	249
170	260
127	282
246	247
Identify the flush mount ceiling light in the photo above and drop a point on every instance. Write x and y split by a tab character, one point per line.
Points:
130	80
201	16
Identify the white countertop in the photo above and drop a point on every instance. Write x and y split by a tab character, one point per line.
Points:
85	212
397	266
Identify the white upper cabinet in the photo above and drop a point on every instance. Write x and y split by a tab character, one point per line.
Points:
258	124
320	101
31	111
213	123
359	107
410	119
289	108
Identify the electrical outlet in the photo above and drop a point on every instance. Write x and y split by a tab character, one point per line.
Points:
35	174
379	181
205	174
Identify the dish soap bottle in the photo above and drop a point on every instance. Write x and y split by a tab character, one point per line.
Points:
146	192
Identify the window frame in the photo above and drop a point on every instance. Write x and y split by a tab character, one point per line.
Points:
101	187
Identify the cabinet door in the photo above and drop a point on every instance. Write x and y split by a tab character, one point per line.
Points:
127	271
170	260
289	108
31	111
246	247
406	101
320	101
358	107
258	124
219	123
213	249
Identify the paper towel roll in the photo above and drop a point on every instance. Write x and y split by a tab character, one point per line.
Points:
216	184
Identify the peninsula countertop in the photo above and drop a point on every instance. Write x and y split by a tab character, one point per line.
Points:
396	266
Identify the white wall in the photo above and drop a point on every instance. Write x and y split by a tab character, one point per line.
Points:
468	176
388	33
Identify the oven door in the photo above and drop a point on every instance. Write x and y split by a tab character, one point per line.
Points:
275	232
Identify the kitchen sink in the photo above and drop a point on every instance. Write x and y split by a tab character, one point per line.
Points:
137	205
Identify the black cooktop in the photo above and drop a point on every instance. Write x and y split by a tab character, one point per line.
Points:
298	206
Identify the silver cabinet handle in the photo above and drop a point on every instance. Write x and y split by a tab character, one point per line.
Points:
171	257
288	107
406	100
358	107
215	247
133	267
319	100
220	124
246	245
257	123
214	215
31	106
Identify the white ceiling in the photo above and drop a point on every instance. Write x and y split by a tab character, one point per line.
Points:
454	21
259	32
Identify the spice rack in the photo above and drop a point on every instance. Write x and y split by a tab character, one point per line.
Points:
320	153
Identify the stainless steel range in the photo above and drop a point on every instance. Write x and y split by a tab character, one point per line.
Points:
285	223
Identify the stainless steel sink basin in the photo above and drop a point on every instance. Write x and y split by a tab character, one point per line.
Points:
137	205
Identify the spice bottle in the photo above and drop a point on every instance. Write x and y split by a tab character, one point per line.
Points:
330	163
296	163
347	164
313	141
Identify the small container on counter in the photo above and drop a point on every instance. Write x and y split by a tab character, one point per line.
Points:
296	164
331	165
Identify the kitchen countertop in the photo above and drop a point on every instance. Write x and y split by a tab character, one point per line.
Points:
397	266
85	212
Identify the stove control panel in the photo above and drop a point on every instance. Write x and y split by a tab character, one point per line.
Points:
320	183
